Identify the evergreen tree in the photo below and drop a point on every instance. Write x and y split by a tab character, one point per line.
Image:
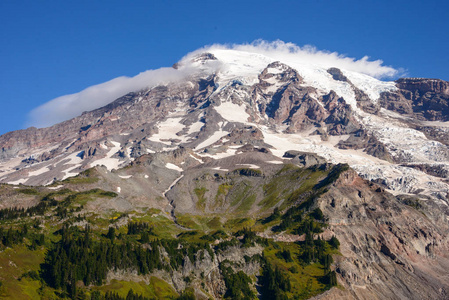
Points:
334	242
145	237
95	295
332	278
237	284
111	234
327	261
274	283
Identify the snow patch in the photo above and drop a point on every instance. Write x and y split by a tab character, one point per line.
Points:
74	160
232	112
274	70
109	162
220	169
168	130
173	167
17	182
39	172
212	139
195	127
197	159
55	187
250	166
172	185
275	162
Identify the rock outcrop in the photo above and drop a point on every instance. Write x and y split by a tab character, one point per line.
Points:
390	250
426	99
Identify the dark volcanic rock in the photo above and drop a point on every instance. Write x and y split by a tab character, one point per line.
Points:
426	99
362	140
306	159
337	74
440	134
441	171
341	117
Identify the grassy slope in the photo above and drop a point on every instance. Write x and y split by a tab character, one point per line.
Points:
13	263
156	289
291	184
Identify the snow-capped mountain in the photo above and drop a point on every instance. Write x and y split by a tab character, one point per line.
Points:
393	133
234	135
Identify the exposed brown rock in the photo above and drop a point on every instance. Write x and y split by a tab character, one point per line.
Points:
371	145
390	250
426	99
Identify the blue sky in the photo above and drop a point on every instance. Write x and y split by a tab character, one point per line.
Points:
53	48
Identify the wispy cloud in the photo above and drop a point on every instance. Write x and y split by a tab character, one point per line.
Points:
69	106
309	54
291	53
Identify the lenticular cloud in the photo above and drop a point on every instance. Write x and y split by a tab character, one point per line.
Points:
289	52
69	106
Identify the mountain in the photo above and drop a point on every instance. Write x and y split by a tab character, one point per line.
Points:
244	133
390	132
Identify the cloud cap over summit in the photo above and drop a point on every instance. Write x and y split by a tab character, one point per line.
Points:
68	106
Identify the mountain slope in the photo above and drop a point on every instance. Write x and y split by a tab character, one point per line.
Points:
303	107
245	133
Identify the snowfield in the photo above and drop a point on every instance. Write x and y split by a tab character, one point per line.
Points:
232	112
109	162
167	130
173	167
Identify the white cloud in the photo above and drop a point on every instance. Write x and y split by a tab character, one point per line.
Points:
291	53
69	106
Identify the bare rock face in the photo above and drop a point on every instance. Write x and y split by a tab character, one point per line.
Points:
400	102
389	250
371	145
426	99
290	102
304	159
240	136
341	118
424	85
337	74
